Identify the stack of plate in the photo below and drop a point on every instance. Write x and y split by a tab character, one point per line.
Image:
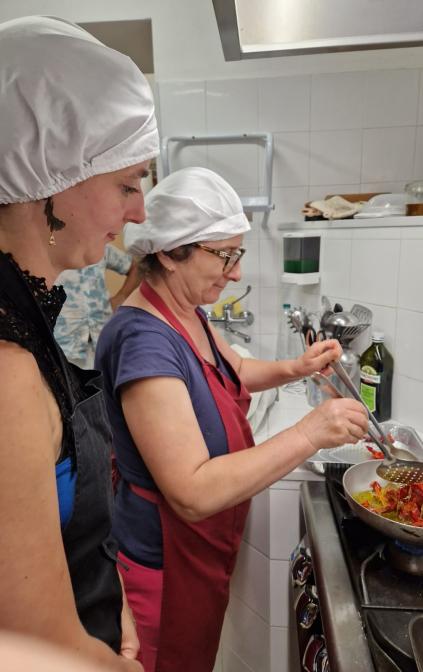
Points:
350	453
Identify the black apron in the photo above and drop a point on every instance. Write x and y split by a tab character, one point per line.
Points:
90	551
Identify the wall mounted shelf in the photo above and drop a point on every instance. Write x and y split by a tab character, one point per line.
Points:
301	278
261	203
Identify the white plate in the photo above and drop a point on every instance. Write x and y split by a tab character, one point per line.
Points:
351	453
322	455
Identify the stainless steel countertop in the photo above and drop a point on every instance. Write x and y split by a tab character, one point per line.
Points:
345	639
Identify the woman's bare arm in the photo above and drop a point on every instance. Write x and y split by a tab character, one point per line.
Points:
35	586
161	419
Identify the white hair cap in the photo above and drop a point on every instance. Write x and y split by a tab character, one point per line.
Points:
70	108
188	206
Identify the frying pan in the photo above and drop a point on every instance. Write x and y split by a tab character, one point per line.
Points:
358	478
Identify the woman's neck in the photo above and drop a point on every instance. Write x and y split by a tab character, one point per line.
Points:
175	299
22	236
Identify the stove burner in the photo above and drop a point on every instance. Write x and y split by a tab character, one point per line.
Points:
405	557
388	583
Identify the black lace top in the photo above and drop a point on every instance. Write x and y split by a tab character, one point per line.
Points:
24	327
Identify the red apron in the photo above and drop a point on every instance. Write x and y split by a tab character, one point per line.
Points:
198	558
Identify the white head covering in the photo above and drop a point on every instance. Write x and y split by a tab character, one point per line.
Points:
70	108
188	206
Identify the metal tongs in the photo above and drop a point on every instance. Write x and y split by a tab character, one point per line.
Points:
399	465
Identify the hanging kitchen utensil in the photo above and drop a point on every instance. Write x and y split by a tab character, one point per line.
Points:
326	304
312	336
323	320
347	334
335	323
364	315
296	322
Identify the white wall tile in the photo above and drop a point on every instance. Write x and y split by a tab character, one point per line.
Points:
420	110
284	522
270	261
250	581
382	187
284	656
232	106
412	232
374	271
335	265
269	309
337	101
391	98
236	163
284	103
280	577
335	157
409	360
291	159
288	202
218	666
317	193
233	663
256	530
407	401
247	635
418	158
250	263
182	108
338	234
268	346
384	319
184	156
386	233
410	293
388	154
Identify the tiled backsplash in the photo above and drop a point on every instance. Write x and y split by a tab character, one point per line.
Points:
333	133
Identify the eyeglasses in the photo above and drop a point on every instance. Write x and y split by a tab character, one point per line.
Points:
230	259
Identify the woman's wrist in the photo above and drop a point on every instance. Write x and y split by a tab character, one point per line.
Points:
304	446
291	370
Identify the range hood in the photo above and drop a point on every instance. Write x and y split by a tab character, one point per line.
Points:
260	28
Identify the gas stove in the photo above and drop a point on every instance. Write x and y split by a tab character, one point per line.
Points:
367	585
388	592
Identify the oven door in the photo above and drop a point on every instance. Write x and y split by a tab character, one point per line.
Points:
305	605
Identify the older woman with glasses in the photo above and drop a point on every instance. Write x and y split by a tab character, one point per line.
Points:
177	398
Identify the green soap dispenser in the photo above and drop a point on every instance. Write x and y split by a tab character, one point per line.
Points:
376	373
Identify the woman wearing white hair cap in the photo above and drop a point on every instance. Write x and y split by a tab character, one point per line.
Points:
77	133
177	397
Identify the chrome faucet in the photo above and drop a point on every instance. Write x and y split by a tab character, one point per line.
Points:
228	318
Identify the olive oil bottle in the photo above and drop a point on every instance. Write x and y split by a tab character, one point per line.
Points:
376	372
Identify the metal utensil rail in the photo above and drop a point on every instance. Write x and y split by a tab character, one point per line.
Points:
250	203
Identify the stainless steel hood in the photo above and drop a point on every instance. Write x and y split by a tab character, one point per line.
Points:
260	28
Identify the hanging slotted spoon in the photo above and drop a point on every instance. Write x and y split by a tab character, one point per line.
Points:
363	314
393	468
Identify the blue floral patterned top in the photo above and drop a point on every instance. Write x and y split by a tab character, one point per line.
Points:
87	306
